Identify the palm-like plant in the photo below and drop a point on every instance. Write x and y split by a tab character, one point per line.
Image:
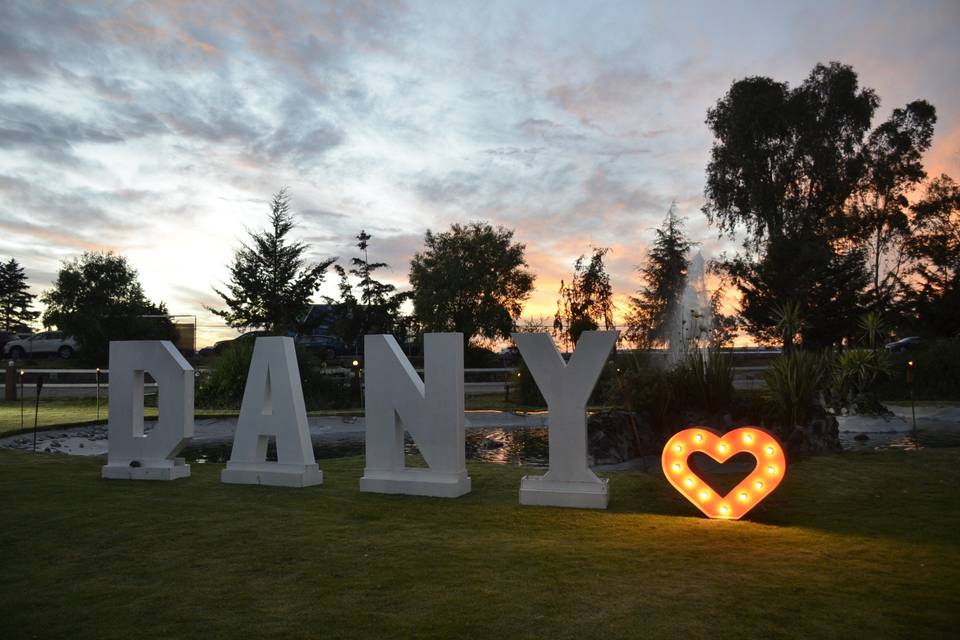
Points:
793	381
789	321
873	327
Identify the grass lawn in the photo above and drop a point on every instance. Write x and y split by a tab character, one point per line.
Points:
860	545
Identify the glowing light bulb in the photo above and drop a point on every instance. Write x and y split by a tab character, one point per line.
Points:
772	470
770	451
743	496
688	482
704	495
676	467
758	485
723	447
747	438
698	437
678	448
724	509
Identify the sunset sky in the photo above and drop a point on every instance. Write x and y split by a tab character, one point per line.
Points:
160	130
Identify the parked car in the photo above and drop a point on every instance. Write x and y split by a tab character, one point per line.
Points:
510	355
220	345
7	336
47	343
905	344
325	346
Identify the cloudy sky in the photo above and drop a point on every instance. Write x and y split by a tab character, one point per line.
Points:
159	130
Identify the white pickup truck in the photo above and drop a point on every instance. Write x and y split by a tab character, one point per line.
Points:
46	343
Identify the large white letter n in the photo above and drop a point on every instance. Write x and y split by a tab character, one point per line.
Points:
432	412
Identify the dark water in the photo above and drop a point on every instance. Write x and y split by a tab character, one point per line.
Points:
529	447
526	447
929	435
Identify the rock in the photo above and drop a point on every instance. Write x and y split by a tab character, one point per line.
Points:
861	437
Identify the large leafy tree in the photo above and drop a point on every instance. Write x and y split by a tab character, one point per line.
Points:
15	297
98	298
587	301
271	283
892	168
787	168
470	279
376	310
664	277
935	248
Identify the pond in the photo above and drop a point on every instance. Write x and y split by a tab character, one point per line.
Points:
530	447
527	447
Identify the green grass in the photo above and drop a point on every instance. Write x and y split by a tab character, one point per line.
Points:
855	545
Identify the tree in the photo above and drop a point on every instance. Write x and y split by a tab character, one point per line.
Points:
377	310
892	168
15	298
271	284
97	298
935	247
470	279
664	276
587	301
788	167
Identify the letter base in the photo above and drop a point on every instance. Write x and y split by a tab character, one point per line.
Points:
148	470
534	490
416	482
272	474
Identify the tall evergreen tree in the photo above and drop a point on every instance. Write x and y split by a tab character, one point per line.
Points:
664	277
15	298
271	283
587	301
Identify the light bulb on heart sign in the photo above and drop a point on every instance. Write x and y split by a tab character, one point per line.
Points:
757	485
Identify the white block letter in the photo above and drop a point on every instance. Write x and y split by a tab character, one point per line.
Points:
273	406
132	455
566	387
432	412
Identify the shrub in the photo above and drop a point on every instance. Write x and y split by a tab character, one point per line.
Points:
855	376
222	386
793	382
936	373
706	381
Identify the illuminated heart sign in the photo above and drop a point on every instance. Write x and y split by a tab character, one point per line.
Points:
770	469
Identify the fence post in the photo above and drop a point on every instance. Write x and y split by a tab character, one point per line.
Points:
10	383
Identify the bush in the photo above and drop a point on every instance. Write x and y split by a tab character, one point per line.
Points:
706	381
936	373
793	383
855	376
222	386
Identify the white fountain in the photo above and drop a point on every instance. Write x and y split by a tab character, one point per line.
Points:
692	318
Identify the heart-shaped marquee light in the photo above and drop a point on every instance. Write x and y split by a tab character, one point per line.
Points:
759	483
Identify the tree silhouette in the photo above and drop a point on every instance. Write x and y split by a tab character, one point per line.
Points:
471	279
664	277
271	284
587	301
15	298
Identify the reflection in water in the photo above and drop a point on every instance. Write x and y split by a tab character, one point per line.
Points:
529	447
929	435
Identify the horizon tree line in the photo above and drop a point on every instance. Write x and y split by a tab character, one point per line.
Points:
836	219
